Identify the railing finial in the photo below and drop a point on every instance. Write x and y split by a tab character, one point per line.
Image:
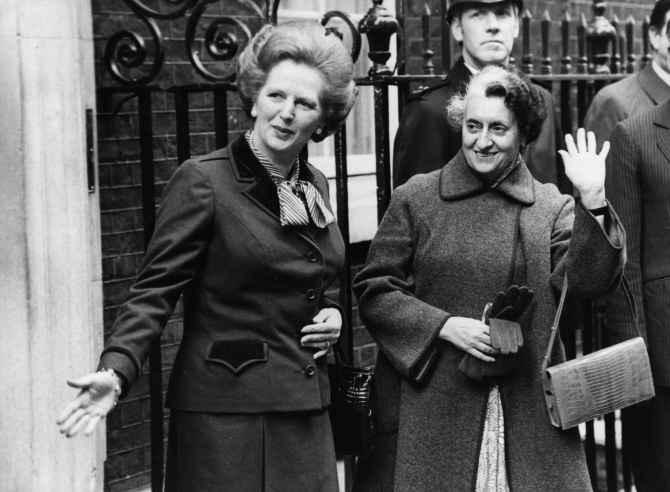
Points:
379	25
600	35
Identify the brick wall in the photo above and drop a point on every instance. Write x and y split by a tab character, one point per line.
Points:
128	457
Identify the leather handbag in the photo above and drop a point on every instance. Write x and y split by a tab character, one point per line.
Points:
351	410
601	382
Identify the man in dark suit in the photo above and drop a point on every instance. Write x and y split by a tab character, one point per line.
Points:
639	92
486	30
638	186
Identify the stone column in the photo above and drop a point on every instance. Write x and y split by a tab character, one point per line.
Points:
50	274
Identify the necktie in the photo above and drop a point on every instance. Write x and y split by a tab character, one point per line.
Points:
299	200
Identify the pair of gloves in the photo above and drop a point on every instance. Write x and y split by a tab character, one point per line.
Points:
502	316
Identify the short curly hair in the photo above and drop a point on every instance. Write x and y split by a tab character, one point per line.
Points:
523	99
302	42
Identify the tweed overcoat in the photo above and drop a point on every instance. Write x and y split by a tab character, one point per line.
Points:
249	286
443	248
425	140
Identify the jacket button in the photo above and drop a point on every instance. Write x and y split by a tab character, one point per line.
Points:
311	256
311	294
310	371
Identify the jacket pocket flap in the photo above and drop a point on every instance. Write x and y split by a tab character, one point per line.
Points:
236	355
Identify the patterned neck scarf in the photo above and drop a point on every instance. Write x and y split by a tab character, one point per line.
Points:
299	200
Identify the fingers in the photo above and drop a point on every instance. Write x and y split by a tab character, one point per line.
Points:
82	382
331	315
77	426
591	142
320	333
581	140
585	143
320	328
605	150
92	422
498	304
70	423
69	409
320	353
480	355
569	145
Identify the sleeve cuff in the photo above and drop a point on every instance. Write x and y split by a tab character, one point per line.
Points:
423	367
122	365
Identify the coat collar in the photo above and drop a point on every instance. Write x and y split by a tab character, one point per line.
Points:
459	75
248	170
458	181
653	85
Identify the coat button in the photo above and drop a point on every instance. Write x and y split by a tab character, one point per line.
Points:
311	256
311	295
310	371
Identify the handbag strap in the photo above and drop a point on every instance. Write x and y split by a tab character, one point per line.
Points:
559	311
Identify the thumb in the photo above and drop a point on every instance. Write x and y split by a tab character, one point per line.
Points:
564	155
321	316
605	150
82	382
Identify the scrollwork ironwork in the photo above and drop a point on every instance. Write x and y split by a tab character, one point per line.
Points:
220	43
141	9
126	50
130	62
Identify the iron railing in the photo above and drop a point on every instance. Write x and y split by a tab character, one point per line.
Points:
604	53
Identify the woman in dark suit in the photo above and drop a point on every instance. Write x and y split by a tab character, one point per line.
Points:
246	233
456	408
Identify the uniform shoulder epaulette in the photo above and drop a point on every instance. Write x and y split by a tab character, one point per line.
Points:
424	90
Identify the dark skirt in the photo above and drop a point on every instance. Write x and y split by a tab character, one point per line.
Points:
250	453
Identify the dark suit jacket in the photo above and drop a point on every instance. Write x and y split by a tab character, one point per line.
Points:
627	97
249	286
425	141
638	185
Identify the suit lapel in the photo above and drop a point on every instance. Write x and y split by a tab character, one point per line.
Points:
255	181
662	124
258	187
657	90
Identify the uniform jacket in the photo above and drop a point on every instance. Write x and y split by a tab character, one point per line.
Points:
638	183
249	286
444	248
627	97
425	141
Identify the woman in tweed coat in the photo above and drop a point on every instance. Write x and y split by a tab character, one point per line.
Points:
450	240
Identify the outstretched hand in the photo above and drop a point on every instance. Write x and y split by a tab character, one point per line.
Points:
585	167
99	394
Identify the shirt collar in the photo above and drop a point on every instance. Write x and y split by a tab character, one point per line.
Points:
662	74
272	169
473	70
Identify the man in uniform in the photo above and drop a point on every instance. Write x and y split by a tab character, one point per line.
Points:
485	30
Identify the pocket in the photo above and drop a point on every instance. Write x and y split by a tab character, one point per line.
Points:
237	355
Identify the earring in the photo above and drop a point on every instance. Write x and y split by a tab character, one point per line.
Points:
318	132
